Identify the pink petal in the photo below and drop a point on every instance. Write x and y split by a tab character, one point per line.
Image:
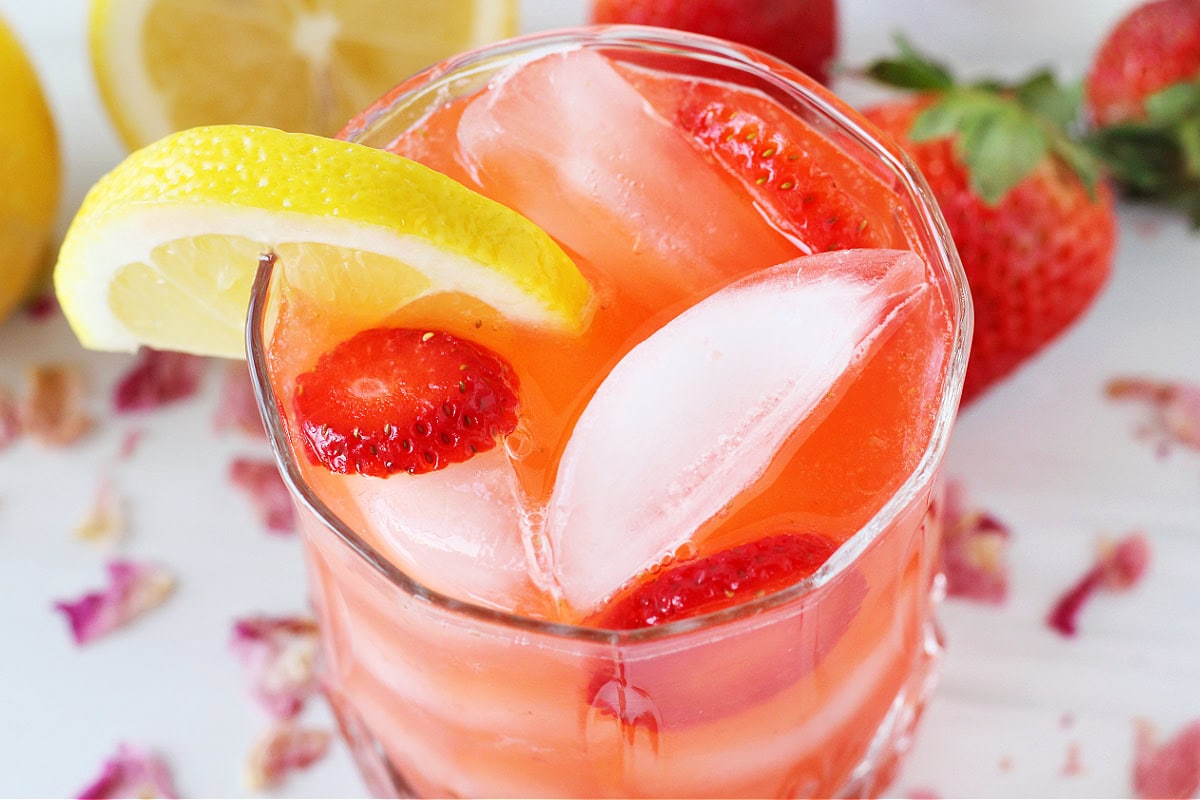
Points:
156	378
1074	762
52	411
261	481
131	773
974	551
284	749
1170	770
279	655
10	421
129	443
238	408
133	590
42	307
1174	409
1125	563
1119	567
105	519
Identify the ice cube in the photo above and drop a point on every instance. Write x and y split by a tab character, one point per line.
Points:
580	152
692	416
457	530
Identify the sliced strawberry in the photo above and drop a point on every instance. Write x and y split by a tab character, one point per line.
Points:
394	400
724	674
718	581
782	175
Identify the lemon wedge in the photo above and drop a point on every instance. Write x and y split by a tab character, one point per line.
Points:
29	164
164	249
167	65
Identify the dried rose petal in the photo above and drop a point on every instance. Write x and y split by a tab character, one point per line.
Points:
1119	567
133	590
42	307
260	479
279	654
52	411
1073	765
156	378
237	408
131	773
1174	407
974	550
283	749
105	519
1170	770
129	443
10	421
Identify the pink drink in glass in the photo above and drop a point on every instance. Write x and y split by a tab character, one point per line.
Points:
723	392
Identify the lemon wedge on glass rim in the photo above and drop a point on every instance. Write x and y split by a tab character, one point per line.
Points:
164	249
167	65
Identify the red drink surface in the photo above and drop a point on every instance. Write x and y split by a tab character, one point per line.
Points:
662	222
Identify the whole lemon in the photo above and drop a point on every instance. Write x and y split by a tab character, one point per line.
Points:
29	164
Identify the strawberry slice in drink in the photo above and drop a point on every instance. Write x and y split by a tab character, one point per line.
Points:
724	671
724	579
808	184
392	400
684	430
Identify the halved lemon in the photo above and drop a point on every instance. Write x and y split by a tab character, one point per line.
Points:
299	65
164	249
30	170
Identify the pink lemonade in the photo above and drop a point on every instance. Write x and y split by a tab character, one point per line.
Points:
770	363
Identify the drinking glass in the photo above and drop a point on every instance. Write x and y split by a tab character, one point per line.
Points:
810	691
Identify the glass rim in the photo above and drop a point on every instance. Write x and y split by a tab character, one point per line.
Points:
941	255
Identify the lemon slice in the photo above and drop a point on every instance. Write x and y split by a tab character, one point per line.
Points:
29	164
164	249
166	65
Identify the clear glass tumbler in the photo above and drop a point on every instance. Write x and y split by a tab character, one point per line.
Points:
811	691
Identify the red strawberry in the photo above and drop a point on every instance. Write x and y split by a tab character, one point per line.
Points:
1154	46
723	579
1035	231
783	175
391	400
1143	90
803	33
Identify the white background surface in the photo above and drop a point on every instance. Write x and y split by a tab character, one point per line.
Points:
1045	452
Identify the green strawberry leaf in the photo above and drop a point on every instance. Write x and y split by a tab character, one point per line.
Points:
999	142
1041	94
1000	153
1174	104
1080	158
1000	131
1143	159
911	70
1188	136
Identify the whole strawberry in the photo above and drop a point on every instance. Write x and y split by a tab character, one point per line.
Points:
1155	46
803	33
1143	95
1034	228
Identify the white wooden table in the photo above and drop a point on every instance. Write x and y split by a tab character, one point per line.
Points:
1021	711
